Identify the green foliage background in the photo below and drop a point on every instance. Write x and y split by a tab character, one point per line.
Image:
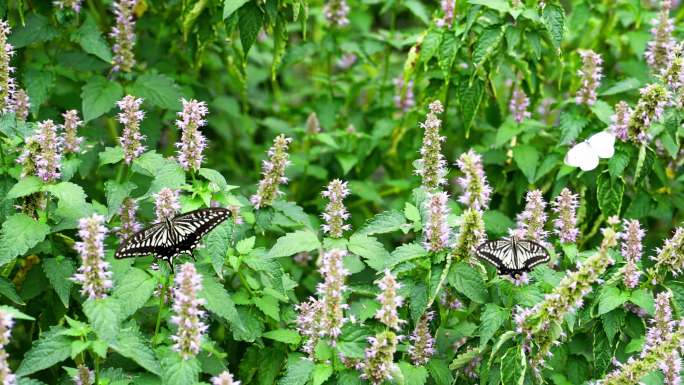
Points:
263	67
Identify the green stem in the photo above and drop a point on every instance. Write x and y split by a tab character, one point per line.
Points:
388	51
162	295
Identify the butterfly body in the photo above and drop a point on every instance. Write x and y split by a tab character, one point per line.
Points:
172	237
513	256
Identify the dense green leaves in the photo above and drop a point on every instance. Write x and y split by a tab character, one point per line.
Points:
99	97
19	233
52	348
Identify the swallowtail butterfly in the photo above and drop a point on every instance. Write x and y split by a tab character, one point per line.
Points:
172	237
513	256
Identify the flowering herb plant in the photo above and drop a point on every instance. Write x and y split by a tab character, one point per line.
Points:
362	152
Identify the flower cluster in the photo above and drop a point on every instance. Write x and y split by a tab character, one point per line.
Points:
130	116
531	221
166	204
476	190
22	105
660	351
448	7
422	343
590	77
518	105
631	250
336	12
72	142
84	376
6	323
187	309
650	107
129	224
670	257
565	224
94	272
437	232
536	324
49	157
235	215
74	5
390	301
192	141
620	121
470	235
309	323
27	158
331	293
225	378
123	33
403	94
313	125
346	61
272	173
662	41
673	73
335	213
378	364
431	165
7	85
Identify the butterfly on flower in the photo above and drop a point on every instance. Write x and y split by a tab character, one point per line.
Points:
172	237
513	256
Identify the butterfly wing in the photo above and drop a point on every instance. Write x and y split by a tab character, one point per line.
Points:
145	242
603	144
582	155
498	252
511	257
530	254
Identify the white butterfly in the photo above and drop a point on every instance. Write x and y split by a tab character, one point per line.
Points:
586	155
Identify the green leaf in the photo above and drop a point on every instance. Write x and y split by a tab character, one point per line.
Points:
513	366
644	299
111	155
611	298
413	375
20	233
618	163
385	222
468	282
527	159
497	222
486	44
216	178
609	194
439	371
71	201
499	5
321	373
370	250
250	22
603	111
36	29
244	246
219	302
571	125
104	315
177	371
298	370
612	323
116	193
230	6
268	305
283	335
293	211
491	319
90	39
26	186
622	86
469	93
601	349
405	252
133	290
159	90
16	314
99	97
554	20
8	290
131	344
52	348
39	85
216	243
59	272
293	243
418	9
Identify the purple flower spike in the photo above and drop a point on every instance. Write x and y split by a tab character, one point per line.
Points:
431	165
22	105
48	159
167	204
403	94
335	213
518	105
7	85
476	190
620	121
331	291
187	312
123	33
94	272
225	378
130	116
437	231
72	142
422	346
192	141
565	224
272	173
590	77
390	301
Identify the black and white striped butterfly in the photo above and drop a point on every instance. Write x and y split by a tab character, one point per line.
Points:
513	256
172	237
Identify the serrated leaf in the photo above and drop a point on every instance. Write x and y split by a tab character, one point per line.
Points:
497	222
71	203
609	193
25	186
116	193
486	44
469	93
219	302
413	375
385	222
215	177
90	39
36	29
230	6
499	5
622	86
554	20
268	305
571	125
8	290
131	344
491	319
244	246
250	22
527	159
513	366
52	348
405	253
133	290
293	211
293	243
372	251
644	299
298	370
283	335
59	272
177	371
99	96
111	155
611	298
38	85
321	373
104	315
159	90
468	282
440	372
20	233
